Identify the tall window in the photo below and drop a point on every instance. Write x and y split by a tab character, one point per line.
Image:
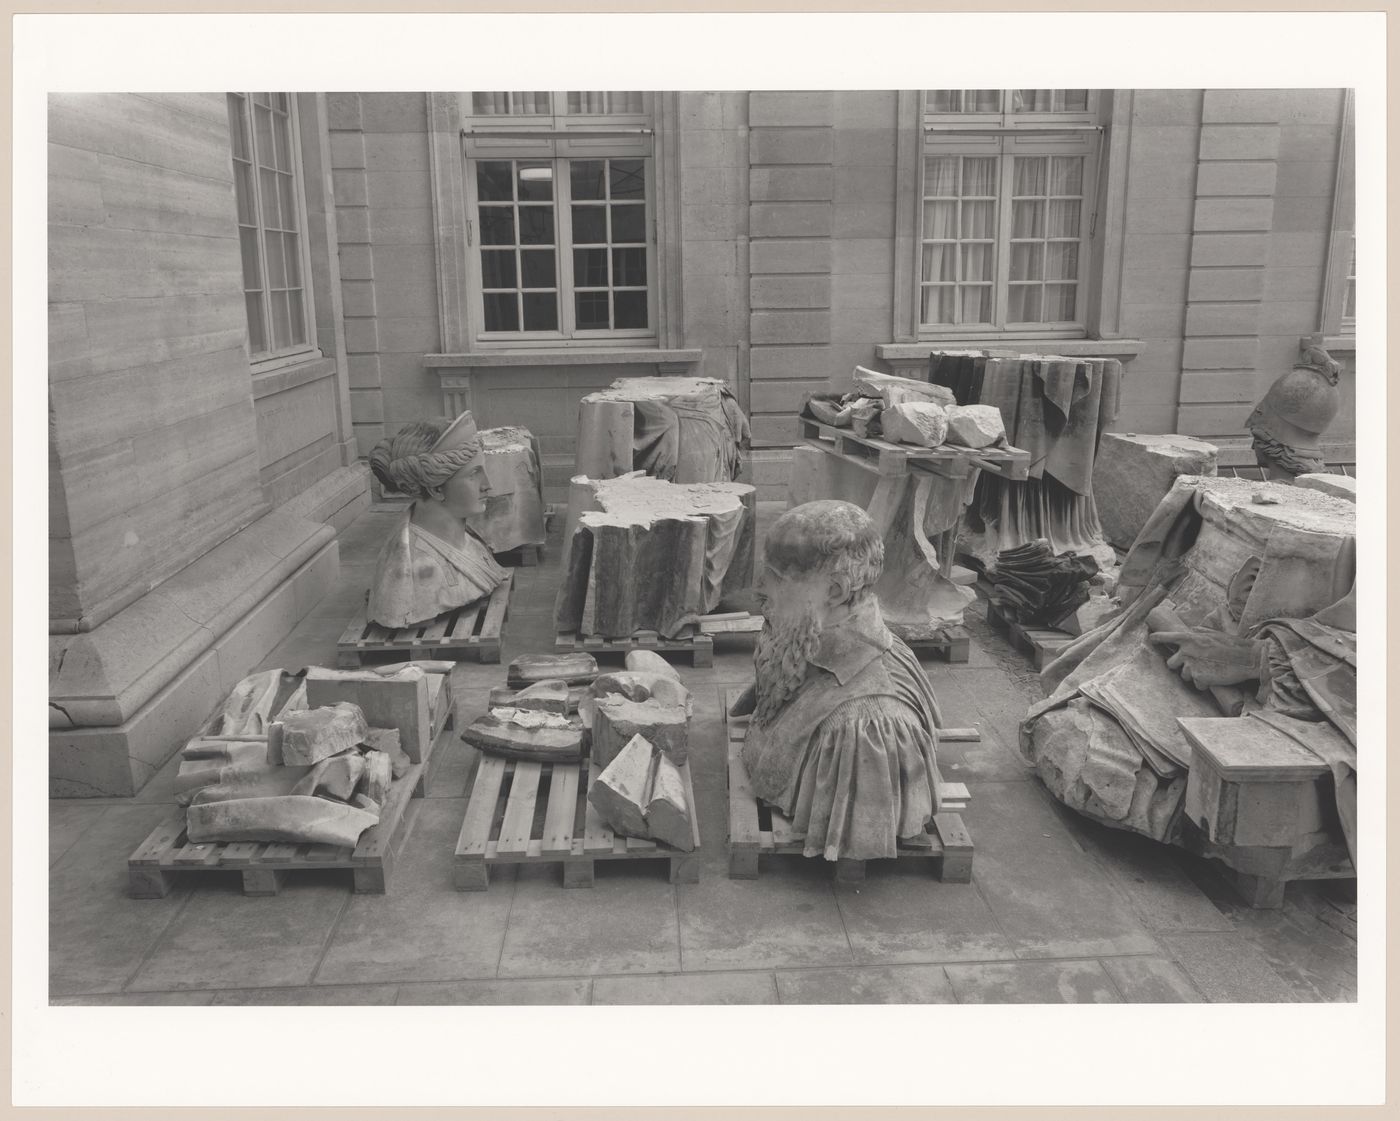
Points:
1006	211
561	204
271	220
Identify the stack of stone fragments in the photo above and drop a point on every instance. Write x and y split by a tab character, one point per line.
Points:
317	773
558	708
905	411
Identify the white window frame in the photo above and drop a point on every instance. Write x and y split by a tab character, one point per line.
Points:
1083	133
558	138
263	361
1339	278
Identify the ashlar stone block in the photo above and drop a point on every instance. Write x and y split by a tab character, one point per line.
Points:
1134	472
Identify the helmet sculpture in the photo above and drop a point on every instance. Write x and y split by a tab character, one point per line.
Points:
1293	414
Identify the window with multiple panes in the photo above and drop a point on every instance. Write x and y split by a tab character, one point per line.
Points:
1006	210
561	205
271	222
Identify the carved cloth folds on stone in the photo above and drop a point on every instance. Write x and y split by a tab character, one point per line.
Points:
850	758
421	576
690	440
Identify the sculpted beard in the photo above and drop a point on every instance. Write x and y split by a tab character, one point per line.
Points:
780	661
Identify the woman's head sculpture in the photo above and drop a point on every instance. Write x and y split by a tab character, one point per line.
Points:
425	459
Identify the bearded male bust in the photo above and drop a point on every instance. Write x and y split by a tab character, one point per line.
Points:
844	727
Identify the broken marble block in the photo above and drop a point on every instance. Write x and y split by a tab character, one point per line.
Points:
543	696
622	790
641	793
1338	486
616	720
516	733
649	661
923	424
251	782
336	777
315	734
893	390
378	775
975	426
402	700
387	741
667	814
1133	473
572	669
285	819
504	696
621	429
514	510
652	555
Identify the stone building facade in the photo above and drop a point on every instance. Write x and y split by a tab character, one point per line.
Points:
511	252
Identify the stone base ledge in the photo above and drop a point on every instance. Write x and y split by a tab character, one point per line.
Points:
103	677
338	499
118	760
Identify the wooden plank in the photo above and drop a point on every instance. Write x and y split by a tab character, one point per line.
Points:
375	842
783	833
743	806
520	808
239	853
597	837
953	791
739	622
435	629
161	839
691	807
476	824
640	845
354	633
562	808
279	854
496	609
197	855
959	735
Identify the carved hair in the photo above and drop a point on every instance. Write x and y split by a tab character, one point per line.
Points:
836	539
403	463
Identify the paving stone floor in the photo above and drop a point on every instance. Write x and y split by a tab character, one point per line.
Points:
1059	908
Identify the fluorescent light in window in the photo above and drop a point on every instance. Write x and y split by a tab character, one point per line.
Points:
536	174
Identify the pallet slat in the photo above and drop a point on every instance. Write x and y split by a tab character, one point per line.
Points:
476	825
473	630
561	810
520	808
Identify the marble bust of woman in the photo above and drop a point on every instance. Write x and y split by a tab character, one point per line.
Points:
432	562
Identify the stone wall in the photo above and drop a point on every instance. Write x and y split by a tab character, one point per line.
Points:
379	153
189	498
1229	211
154	453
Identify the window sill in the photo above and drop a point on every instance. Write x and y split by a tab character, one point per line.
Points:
1334	344
597	356
282	378
1123	349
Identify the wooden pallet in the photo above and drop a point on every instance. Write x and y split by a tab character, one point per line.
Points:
468	633
538	813
700	647
954	643
756	829
262	865
886	458
1041	644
